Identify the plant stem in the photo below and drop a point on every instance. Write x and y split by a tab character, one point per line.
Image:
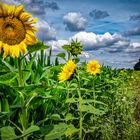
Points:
69	56
80	109
23	108
20	81
94	98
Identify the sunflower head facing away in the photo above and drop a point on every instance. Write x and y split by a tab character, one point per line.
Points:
93	67
67	71
16	30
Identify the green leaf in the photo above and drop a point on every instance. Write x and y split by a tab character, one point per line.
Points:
72	100
91	109
69	116
12	69
36	47
66	47
57	132
7	133
92	101
62	55
55	117
31	129
76	60
8	77
70	131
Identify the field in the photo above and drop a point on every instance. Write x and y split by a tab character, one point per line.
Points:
34	104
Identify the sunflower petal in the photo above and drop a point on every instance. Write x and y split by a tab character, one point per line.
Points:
31	22
5	9
18	10
0	46
1	9
11	10
6	50
33	29
25	16
23	47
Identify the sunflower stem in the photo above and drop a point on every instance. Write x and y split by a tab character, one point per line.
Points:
94	98
20	81
80	108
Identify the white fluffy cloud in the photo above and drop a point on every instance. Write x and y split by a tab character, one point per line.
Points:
74	21
91	41
45	32
57	44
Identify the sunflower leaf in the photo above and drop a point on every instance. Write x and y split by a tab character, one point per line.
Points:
36	47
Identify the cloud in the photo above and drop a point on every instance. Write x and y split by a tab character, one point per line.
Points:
52	5
133	48
45	32
118	46
98	14
92	41
57	44
74	21
135	17
135	31
36	9
10	2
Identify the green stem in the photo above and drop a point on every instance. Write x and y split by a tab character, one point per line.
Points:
23	108
80	109
20	81
24	118
69	56
94	98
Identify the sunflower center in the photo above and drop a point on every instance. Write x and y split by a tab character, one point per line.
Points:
9	28
12	31
93	68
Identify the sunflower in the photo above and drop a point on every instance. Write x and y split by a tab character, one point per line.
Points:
16	30
93	67
67	71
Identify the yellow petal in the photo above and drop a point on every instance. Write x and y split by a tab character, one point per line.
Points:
1	9
6	49
30	38
31	22
11	10
5	9
33	29
18	10
29	32
0	46
25	16
23	47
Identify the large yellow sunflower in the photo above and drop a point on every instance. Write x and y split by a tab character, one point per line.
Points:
93	67
67	71
16	30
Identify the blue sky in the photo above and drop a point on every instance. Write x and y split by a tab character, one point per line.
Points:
109	30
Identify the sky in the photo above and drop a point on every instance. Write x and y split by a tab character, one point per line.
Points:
109	30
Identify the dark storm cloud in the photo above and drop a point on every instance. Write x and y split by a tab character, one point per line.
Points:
135	17
98	14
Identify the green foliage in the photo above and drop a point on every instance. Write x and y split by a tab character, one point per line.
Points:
34	105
